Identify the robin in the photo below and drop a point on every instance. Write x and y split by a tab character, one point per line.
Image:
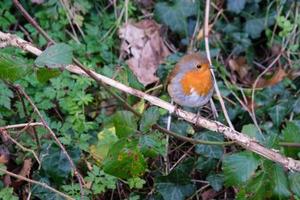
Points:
191	82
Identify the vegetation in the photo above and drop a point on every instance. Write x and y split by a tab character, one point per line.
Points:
119	153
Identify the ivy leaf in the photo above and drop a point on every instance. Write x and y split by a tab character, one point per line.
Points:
124	160
211	151
11	68
45	74
236	6
5	96
56	164
175	186
278	112
252	131
280	182
205	165
175	15
254	27
182	128
291	134
149	118
294	180
216	181
55	56
151	145
239	167
125	123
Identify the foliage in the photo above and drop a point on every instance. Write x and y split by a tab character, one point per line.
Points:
119	153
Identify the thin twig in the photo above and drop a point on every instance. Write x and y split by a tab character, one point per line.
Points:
22	125
77	174
36	182
206	29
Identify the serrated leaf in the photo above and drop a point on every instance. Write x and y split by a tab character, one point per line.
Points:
11	68
45	74
125	123
55	56
252	131
254	27
216	181
294	180
149	118
236	6
280	182
211	151
291	133
124	160
239	167
175	14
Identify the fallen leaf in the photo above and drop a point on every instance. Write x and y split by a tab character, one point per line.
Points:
200	35
143	45
4	154
277	77
208	194
240	66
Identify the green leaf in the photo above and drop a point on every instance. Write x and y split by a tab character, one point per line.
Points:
182	128
291	133
279	178
136	182
106	138
211	151
252	131
57	55
294	180
11	68
205	165
45	74
124	160
44	193
236	6
278	112
55	163
125	123
149	118
152	145
8	194
175	14
5	96
216	181
254	27
239	167
175	186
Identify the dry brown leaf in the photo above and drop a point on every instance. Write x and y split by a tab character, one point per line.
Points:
143	44
240	66
200	35
25	171
276	78
208	194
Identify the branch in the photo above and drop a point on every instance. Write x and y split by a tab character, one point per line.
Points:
243	140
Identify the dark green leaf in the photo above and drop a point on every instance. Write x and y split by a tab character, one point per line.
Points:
294	180
291	133
43	193
239	167
182	127
125	123
175	15
150	117
175	186
45	74
254	27
151	146
57	55
216	181
278	112
205	165
252	131
11	68
280	182
236	6
124	160
55	163
211	151
5	96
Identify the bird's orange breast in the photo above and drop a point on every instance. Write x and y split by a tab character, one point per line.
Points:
198	81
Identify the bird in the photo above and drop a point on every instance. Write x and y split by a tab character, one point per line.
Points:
190	83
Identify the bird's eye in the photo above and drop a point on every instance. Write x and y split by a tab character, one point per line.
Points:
199	66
